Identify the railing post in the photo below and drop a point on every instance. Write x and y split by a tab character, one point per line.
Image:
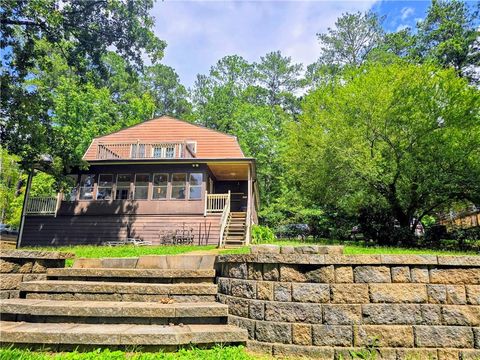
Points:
206	204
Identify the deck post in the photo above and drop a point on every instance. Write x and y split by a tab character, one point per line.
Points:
249	205
206	204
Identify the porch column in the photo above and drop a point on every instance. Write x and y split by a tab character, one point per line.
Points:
249	206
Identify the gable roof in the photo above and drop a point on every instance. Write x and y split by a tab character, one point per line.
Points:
210	143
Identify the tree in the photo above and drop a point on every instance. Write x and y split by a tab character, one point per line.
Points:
448	34
352	39
170	96
279	77
405	138
78	31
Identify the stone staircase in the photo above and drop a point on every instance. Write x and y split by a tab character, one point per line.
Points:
235	230
148	303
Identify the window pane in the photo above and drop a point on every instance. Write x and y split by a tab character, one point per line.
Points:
195	192
170	152
138	151
196	179
178	192
104	193
87	180
105	180
122	193
160	179
159	192
86	193
142	179
124	179
141	193
157	152
179	179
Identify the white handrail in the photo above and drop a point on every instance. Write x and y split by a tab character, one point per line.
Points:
224	219
42	206
144	150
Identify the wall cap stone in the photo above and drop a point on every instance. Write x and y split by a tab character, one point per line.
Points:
35	254
332	259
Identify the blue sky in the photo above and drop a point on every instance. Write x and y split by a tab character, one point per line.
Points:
199	33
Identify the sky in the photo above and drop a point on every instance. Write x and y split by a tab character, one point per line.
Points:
199	33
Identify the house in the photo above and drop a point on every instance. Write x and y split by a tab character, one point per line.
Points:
164	180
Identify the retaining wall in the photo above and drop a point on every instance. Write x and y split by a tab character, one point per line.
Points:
324	306
24	265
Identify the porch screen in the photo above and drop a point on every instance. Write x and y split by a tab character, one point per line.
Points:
141	186
196	185
123	186
179	184
105	186
160	184
86	187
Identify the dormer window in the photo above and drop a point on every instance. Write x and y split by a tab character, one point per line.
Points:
163	151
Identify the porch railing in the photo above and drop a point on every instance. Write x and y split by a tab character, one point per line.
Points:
215	203
42	206
224	220
142	150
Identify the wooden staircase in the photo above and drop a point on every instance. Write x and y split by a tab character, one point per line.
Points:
235	230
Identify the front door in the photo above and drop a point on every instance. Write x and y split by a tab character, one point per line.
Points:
238	193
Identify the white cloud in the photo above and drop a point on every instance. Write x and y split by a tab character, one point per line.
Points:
406	12
401	27
199	33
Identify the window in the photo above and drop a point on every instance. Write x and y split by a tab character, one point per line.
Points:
138	151
164	151
196	185
160	184
105	187
86	187
71	189
123	186
141	186
179	182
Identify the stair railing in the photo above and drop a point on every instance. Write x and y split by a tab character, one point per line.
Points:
224	220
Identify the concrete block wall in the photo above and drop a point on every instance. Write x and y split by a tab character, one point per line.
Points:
17	266
324	305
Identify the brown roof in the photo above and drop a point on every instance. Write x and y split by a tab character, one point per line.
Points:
210	143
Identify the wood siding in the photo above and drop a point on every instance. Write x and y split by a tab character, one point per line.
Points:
209	143
81	230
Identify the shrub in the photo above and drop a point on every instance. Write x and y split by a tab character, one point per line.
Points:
262	234
291	231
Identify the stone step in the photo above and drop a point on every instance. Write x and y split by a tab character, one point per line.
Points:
112	312
139	275
117	287
64	335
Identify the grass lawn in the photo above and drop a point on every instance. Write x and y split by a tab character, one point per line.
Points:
217	353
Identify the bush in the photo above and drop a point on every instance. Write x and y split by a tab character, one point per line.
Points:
380	226
262	234
291	231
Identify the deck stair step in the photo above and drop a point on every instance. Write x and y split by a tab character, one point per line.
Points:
112	311
138	275
64	335
235	230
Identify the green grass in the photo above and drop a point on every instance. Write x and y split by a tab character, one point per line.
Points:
216	353
90	251
351	248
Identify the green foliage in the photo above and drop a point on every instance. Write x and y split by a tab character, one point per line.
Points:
35	100
352	39
369	352
217	353
403	137
448	36
10	176
262	234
